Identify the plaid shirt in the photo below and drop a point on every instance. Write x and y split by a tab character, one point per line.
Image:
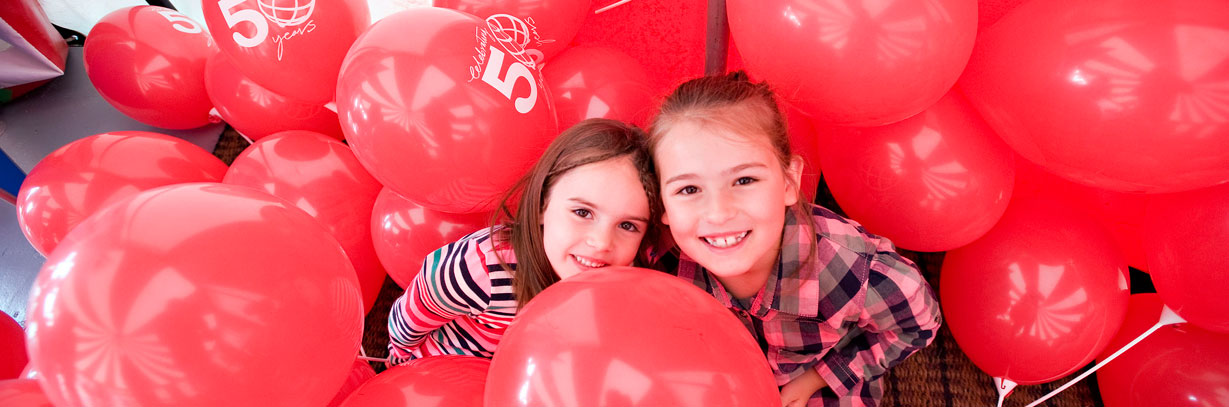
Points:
854	310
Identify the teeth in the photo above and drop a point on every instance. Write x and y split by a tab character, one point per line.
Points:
588	263
727	241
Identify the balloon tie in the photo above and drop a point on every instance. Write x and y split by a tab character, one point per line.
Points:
214	116
1004	387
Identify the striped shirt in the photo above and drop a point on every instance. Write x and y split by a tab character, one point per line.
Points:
460	303
854	310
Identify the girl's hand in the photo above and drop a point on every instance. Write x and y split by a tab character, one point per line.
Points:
797	392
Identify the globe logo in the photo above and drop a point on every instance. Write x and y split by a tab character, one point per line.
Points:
287	13
513	33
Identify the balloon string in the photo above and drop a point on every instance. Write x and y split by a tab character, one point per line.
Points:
1168	317
371	359
608	8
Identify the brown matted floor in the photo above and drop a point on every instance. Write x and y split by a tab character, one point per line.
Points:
938	376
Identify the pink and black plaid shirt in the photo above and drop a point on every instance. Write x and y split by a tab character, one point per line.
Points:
856	309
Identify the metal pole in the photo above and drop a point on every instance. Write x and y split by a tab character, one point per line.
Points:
717	42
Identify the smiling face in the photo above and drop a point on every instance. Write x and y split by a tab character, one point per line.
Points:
595	216
725	197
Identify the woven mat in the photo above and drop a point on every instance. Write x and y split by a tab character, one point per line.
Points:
938	376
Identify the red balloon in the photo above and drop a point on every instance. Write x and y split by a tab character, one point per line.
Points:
428	87
320	176
405	233
1121	213
804	141
542	28
591	81
933	182
436	381
1036	297
1116	94
199	294
856	63
257	112
1176	366
12	348
628	336
22	393
149	63
1184	239
292	47
360	373
667	38
82	177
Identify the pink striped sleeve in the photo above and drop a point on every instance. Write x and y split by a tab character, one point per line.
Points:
452	283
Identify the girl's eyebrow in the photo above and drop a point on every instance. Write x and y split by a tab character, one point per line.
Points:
582	201
728	171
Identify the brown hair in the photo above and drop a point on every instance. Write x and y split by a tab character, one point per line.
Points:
588	142
735	103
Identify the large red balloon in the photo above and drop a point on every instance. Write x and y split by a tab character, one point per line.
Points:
149	63
864	63
1176	366
257	112
292	47
931	183
360	373
542	28
405	233
1184	239
82	177
592	81
320	176
199	294
1121	213
22	393
628	336
12	348
1036	297
1117	94
441	111
436	381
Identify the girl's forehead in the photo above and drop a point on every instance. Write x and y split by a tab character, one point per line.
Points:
693	132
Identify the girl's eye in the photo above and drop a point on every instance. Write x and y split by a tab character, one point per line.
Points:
584	213
744	181
687	190
628	226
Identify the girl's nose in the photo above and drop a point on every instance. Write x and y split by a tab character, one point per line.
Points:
598	238
719	209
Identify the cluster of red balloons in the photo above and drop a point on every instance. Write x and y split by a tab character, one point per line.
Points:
1047	150
945	124
462	95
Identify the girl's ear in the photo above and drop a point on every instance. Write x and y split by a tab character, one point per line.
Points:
665	220
793	178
